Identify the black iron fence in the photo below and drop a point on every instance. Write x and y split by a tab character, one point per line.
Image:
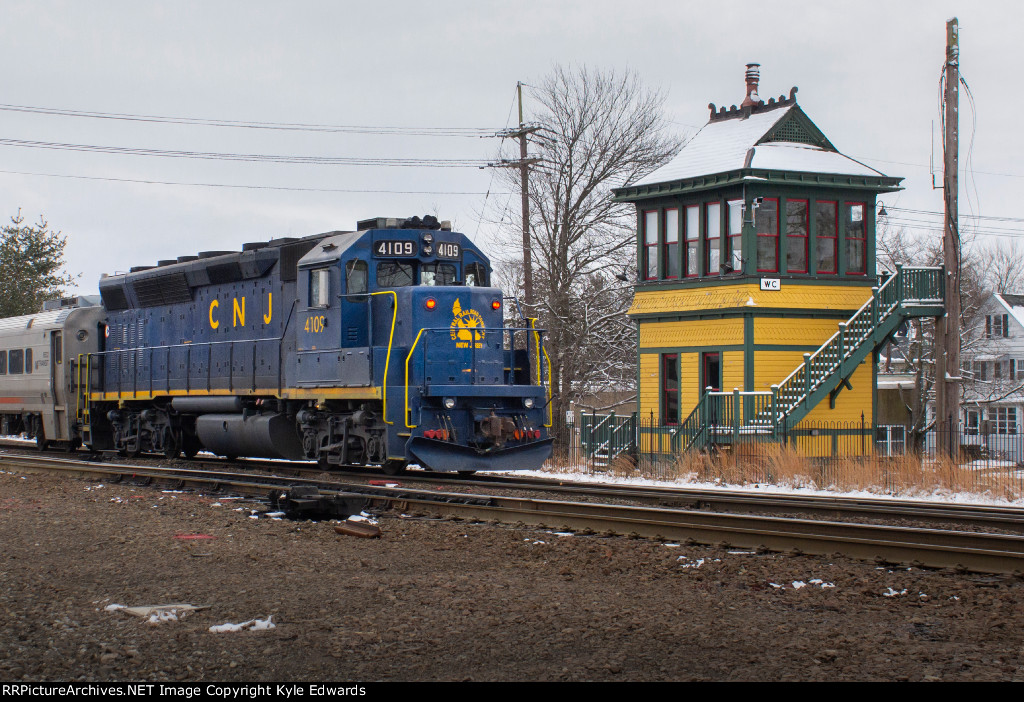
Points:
844	456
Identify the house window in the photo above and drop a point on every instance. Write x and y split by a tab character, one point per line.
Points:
692	238
796	236
997	326
856	239
671	252
670	388
979	370
1004	420
766	222
997	370
1019	376
650	244
973	423
712	237
734	244
827	228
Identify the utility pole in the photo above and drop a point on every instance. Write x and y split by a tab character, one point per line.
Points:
523	164
947	327
524	174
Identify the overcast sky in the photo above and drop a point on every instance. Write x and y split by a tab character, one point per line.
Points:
868	74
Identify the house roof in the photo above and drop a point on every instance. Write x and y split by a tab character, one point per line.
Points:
1014	304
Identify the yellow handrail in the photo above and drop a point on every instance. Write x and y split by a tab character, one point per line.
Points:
387	360
550	411
407	359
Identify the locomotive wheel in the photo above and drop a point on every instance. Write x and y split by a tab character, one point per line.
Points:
172	447
393	467
73	445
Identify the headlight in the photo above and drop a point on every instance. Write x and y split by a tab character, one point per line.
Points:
449	402
528	402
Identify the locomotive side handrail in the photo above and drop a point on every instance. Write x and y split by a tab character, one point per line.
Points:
391	339
118	354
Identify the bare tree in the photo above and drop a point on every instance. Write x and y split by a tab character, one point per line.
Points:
1003	265
598	130
914	346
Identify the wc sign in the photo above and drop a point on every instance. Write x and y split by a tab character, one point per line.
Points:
771	284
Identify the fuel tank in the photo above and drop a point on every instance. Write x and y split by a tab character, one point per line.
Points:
259	436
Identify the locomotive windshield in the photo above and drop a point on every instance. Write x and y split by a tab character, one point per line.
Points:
394	274
476	275
437	274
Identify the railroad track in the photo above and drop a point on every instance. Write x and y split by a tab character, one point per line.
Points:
935	548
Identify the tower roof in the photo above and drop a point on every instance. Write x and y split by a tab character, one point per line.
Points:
756	137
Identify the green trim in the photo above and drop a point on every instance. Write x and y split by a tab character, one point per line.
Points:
651	350
787	278
736	312
714	181
805	124
787	347
747	361
748	352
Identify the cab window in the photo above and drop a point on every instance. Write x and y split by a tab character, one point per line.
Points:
319	287
355	277
394	275
476	275
437	274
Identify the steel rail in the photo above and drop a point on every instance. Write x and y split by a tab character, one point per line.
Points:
967	551
835	507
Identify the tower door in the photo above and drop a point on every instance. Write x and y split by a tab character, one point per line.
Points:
712	371
711	367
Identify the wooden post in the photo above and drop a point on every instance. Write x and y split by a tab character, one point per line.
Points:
947	327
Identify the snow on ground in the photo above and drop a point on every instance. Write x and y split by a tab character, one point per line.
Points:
938	495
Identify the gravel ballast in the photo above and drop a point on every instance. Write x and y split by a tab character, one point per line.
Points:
441	600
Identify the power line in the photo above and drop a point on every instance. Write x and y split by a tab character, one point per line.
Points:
963	216
261	158
244	187
475	132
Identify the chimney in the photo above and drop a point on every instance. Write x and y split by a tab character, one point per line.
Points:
753	76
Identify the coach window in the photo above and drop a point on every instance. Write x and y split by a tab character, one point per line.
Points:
319	287
394	275
356	278
476	275
437	274
28	360
16	361
3	363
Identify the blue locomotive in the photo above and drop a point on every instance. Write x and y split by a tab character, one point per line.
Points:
384	346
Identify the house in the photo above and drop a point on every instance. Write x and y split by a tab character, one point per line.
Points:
993	368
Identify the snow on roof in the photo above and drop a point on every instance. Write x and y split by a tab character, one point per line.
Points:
722	145
718	147
1014	304
786	156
